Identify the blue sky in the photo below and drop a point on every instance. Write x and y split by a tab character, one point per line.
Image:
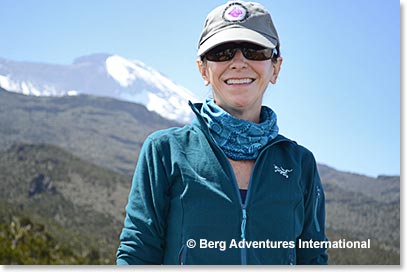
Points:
338	92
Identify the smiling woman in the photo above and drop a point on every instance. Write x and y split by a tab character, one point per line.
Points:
229	178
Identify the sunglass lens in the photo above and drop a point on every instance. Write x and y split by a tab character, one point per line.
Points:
227	51
261	54
221	54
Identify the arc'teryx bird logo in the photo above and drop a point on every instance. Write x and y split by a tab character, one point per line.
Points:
282	171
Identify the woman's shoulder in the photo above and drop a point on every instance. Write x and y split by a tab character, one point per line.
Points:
179	134
293	146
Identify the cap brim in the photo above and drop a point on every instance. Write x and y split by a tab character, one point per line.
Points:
234	34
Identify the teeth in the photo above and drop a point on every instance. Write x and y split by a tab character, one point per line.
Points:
239	81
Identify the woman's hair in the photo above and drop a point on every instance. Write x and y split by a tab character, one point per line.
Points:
277	54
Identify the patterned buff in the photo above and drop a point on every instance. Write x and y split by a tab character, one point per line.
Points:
239	139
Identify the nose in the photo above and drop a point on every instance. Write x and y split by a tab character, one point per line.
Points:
238	61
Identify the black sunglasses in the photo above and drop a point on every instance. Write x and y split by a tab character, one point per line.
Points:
250	51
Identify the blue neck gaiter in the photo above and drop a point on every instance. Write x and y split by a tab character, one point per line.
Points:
239	139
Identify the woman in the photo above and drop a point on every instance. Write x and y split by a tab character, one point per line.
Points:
227	189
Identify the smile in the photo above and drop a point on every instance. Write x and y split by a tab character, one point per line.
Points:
239	81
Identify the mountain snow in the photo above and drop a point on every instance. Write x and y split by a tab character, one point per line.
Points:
169	99
100	75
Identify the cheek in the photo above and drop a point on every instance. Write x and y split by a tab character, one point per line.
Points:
214	74
216	68
268	73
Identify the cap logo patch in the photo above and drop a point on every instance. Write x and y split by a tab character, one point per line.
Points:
235	12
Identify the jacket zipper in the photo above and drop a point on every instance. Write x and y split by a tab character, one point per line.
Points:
243	235
244	205
182	254
318	196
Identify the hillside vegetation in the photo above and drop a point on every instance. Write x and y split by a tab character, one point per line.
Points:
49	194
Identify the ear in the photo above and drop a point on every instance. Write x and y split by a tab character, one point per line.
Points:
276	70
202	69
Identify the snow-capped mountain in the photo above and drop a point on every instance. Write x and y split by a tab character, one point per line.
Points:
101	75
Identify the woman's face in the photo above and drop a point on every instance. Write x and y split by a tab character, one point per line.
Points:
238	85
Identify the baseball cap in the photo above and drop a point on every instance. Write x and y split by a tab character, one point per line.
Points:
238	21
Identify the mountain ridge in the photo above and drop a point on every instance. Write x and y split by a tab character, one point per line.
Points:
104	131
100	74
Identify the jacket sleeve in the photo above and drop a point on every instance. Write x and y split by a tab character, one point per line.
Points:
142	238
314	215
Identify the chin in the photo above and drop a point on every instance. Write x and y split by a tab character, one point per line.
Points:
240	105
242	102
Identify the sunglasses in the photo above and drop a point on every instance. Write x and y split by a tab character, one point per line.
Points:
250	51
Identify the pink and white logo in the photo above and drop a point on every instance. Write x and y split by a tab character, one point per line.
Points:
235	13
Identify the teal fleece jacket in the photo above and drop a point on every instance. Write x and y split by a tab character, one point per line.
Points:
185	207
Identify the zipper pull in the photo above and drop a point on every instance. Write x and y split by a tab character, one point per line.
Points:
317	200
243	226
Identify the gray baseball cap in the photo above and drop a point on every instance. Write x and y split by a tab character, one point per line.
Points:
238	21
